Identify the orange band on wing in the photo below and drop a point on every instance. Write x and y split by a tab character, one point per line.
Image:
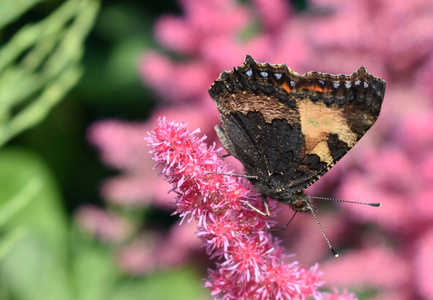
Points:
317	89
286	87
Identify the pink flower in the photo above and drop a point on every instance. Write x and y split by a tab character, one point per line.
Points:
253	261
201	18
273	14
120	144
367	268
212	44
152	251
108	227
387	30
423	262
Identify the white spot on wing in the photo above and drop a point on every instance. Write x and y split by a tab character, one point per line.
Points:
292	83
348	85
365	85
249	73
264	74
278	76
321	82
358	82
336	85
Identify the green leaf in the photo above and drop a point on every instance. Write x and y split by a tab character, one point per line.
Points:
11	9
29	197
179	284
93	273
33	230
41	63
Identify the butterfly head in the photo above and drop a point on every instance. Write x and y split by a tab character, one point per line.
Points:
300	202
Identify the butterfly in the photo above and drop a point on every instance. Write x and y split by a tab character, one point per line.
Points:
289	129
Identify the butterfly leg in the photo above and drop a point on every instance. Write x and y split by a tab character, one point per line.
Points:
265	202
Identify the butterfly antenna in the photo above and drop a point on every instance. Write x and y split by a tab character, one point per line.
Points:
335	253
339	200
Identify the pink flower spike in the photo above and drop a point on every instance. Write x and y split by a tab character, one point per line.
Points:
254	264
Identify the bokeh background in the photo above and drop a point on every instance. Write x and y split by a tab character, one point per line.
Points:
84	216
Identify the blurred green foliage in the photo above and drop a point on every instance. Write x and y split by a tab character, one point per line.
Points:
40	63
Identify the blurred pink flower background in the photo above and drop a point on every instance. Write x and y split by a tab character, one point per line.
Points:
385	253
